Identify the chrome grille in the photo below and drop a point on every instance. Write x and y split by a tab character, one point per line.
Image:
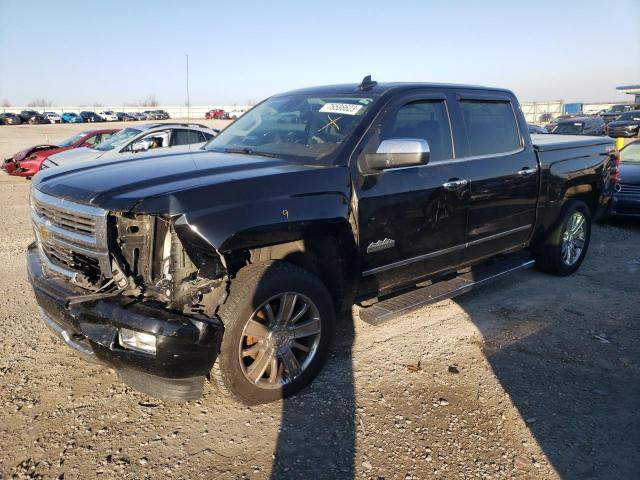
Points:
72	237
74	221
628	189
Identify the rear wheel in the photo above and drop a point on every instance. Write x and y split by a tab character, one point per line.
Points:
566	245
279	320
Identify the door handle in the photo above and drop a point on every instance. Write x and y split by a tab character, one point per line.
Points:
526	171
454	184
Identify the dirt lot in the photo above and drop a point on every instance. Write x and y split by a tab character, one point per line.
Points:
531	377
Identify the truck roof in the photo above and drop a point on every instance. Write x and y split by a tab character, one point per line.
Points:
380	88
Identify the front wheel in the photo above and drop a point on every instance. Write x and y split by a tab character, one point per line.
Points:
278	320
566	245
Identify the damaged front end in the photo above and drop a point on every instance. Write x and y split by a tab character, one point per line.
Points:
188	276
138	292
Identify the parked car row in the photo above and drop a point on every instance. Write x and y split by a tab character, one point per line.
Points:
619	121
33	117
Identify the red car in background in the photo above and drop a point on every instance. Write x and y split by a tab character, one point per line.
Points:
26	163
215	114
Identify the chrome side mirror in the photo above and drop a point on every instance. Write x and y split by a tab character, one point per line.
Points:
399	152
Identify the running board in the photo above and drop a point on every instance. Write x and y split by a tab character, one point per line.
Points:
390	308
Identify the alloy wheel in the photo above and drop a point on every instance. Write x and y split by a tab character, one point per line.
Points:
279	340
573	239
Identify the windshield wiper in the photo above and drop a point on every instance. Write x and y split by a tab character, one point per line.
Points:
249	151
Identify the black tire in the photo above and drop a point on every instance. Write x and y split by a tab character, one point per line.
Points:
549	255
253	286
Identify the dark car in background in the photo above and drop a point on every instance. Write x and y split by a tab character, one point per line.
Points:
125	117
32	117
550	126
626	125
10	119
152	115
581	126
627	190
536	129
91	117
614	112
25	115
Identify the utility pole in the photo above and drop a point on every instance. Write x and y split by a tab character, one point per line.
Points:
188	100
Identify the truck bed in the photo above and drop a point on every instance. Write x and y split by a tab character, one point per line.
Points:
549	142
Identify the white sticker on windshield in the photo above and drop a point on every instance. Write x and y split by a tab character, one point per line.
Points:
344	108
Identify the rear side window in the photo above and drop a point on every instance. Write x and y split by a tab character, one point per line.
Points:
186	137
427	120
490	126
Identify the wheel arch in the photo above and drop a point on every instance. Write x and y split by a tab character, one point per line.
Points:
328	252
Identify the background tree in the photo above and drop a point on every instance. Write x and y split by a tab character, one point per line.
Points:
40	103
150	101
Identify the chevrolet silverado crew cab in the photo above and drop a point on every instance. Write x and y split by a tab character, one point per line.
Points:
389	196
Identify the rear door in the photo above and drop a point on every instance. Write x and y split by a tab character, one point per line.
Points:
412	220
183	136
503	174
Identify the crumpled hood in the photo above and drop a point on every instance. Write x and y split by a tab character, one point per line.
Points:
176	182
22	154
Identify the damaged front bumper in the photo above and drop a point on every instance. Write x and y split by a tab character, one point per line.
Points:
186	347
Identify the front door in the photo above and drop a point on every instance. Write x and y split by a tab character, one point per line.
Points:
411	220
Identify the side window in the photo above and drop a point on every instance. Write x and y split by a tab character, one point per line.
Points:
93	140
185	137
490	126
153	140
427	120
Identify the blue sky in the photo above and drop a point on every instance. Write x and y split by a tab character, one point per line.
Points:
81	52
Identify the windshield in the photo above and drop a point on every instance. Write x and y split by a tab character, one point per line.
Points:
117	140
295	127
630	116
569	128
630	153
71	140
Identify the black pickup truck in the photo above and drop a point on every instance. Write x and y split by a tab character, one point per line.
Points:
231	262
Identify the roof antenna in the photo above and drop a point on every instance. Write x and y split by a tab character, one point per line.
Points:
367	83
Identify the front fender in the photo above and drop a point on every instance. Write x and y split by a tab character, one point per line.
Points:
270	221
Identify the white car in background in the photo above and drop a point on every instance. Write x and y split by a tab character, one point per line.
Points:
143	140
109	116
236	112
52	117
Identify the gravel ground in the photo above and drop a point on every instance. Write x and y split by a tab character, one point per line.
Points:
531	377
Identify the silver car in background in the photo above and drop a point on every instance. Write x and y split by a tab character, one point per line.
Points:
153	138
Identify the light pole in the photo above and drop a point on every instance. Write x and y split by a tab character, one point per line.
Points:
188	100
